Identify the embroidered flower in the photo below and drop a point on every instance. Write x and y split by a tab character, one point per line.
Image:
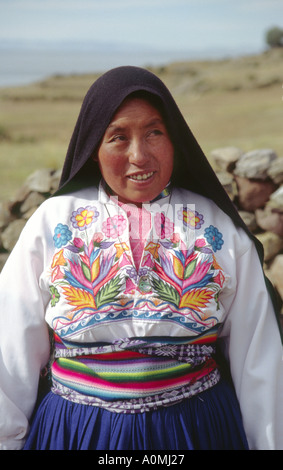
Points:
214	237
163	226
143	271
132	273
219	279
55	296
58	259
113	227
62	235
56	274
175	238
97	238
78	242
200	242
121	248
153	249
191	219
84	217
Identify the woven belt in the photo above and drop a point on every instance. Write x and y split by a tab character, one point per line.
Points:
133	376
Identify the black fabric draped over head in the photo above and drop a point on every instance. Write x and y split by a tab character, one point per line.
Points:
191	168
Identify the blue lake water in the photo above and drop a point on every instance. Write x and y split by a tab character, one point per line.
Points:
24	66
22	63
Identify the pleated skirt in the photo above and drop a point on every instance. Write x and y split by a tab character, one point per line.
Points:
209	421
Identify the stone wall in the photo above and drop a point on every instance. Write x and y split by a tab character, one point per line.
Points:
253	180
15	213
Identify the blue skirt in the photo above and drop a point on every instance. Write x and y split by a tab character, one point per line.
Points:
209	421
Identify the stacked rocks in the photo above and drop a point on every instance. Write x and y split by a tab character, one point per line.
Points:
254	182
15	213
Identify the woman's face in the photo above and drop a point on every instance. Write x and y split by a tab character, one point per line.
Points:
136	154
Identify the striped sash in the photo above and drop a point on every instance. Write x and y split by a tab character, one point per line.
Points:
131	375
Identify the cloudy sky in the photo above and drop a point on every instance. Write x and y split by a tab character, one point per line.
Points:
167	24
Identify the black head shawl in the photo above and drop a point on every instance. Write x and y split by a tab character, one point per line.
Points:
191	168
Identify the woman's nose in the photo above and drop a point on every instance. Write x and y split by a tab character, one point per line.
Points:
138	153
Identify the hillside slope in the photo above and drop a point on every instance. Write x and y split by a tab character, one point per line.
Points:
231	102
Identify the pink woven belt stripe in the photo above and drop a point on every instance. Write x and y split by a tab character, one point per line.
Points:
135	381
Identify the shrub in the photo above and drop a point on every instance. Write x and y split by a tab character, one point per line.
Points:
274	37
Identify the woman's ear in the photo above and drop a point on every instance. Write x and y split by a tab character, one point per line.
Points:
95	157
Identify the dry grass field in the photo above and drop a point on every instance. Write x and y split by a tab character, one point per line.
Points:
231	102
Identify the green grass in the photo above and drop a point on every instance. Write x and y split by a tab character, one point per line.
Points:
232	102
19	160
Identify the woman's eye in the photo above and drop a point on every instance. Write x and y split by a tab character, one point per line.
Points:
155	132
118	138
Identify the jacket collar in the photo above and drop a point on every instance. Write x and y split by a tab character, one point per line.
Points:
105	198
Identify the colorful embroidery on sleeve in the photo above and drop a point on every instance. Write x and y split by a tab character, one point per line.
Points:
214	237
191	219
55	296
84	217
62	235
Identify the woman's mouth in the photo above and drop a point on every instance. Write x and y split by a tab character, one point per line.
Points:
141	176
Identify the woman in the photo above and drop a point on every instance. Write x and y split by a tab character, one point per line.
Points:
148	279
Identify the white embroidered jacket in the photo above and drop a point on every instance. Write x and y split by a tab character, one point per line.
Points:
73	269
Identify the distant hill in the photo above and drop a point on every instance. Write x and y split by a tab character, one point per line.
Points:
229	102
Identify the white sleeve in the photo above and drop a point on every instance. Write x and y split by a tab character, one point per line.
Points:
24	340
254	348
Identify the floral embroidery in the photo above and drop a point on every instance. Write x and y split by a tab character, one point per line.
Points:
152	248
84	217
97	238
95	276
56	274
113	227
200	242
62	235
132	272
57	262
90	279
214	237
191	219
163	226
121	249
175	239
188	279
58	259
78	242
55	296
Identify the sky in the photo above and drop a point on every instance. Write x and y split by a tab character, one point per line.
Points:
193	25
